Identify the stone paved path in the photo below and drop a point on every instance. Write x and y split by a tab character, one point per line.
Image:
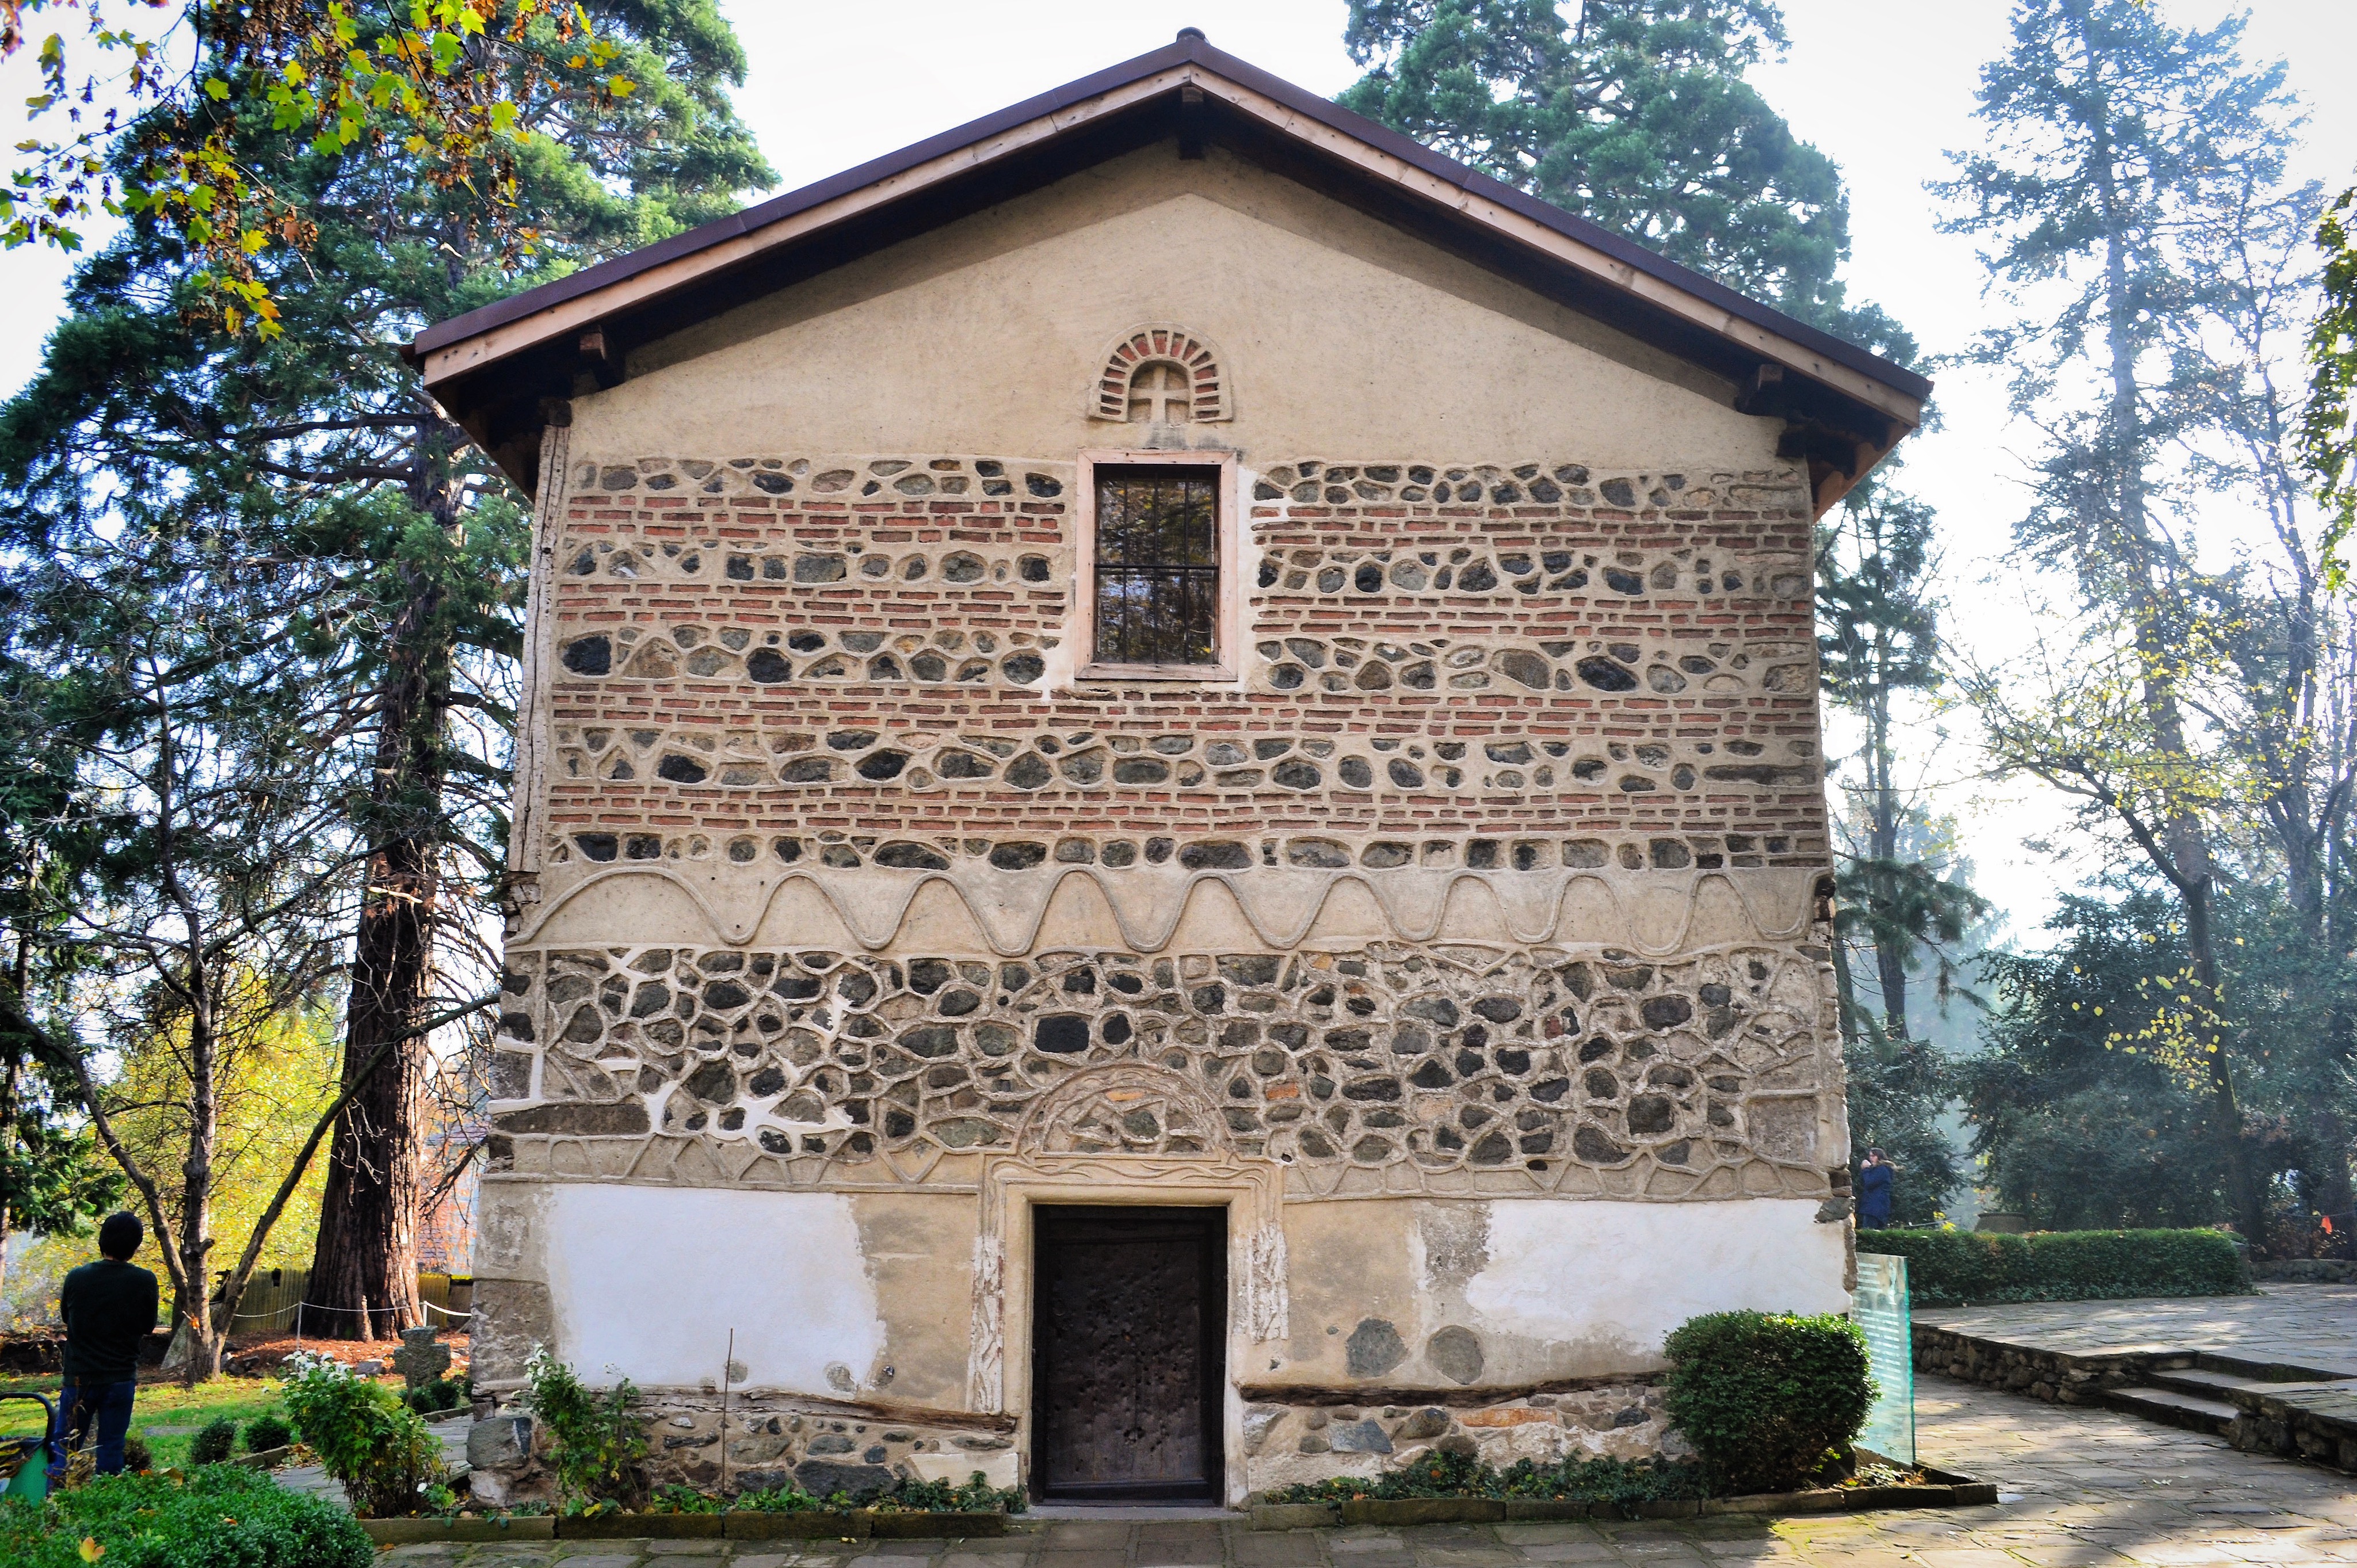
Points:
2081	1489
2306	1325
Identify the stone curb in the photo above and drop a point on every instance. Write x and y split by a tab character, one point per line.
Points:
409	1531
267	1459
1947	1491
862	1525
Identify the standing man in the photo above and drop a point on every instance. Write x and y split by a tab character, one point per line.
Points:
108	1308
1875	1182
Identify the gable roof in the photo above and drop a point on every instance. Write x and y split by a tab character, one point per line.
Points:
501	370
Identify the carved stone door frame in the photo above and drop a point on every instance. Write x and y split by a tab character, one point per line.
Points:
998	1367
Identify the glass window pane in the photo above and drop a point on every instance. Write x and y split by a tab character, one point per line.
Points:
1157	566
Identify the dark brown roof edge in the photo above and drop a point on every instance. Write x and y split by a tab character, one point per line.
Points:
1186	50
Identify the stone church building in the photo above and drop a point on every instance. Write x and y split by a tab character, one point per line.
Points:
1169	831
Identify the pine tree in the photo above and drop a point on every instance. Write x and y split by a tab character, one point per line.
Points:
1633	114
2111	136
1902	897
399	553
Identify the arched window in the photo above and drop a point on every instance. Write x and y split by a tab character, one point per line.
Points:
1160	375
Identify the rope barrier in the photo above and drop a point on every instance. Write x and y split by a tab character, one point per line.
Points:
277	1312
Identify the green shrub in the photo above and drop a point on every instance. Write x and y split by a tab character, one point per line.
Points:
600	1448
435	1397
1621	1483
977	1496
1763	1397
138	1457
788	1498
1958	1268
214	1441
364	1436
161	1522
267	1432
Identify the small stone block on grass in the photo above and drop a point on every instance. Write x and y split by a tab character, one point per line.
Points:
651	1527
1422	1510
407	1531
814	1526
1548	1508
934	1526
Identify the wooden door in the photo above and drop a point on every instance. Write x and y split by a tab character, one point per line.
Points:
1129	1327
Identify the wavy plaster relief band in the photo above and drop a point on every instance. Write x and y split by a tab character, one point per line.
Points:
1147	909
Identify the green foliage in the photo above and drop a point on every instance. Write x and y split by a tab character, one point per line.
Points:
1957	1268
1619	1482
2129	190
440	1394
1767	1398
138	1457
2088	1120
267	1432
976	1496
1637	117
2325	427
1898	1089
219	1517
215	1442
1903	900
364	1437
788	1498
600	1448
325	575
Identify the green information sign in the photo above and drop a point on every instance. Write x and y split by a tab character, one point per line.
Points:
1880	1308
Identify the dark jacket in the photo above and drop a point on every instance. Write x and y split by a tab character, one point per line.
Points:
1874	1185
109	1307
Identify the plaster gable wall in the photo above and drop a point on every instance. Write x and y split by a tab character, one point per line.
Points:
1340	335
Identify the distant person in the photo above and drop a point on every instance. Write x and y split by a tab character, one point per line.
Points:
1875	1182
108	1308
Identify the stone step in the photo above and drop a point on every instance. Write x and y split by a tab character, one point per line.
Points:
2205	1381
2195	1412
2262	1371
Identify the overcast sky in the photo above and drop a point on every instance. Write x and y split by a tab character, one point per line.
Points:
1886	89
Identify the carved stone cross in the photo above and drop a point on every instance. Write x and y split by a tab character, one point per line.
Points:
420	1360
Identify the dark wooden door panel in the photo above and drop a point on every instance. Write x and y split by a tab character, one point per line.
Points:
1130	1323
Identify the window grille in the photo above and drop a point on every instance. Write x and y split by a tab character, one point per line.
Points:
1157	565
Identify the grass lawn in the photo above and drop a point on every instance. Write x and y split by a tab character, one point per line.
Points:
168	1404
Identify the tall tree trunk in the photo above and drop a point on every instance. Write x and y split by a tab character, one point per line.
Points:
364	1268
2138	555
1892	947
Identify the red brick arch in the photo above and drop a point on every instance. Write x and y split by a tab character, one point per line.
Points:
1152	344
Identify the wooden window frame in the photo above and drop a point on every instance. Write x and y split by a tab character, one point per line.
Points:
1227	629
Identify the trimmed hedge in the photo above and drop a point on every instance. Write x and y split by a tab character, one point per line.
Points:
1963	1268
221	1517
1767	1398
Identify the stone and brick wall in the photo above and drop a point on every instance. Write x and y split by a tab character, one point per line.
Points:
1493	873
1552	681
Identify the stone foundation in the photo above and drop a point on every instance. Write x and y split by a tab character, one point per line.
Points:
1287	1441
771	1440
